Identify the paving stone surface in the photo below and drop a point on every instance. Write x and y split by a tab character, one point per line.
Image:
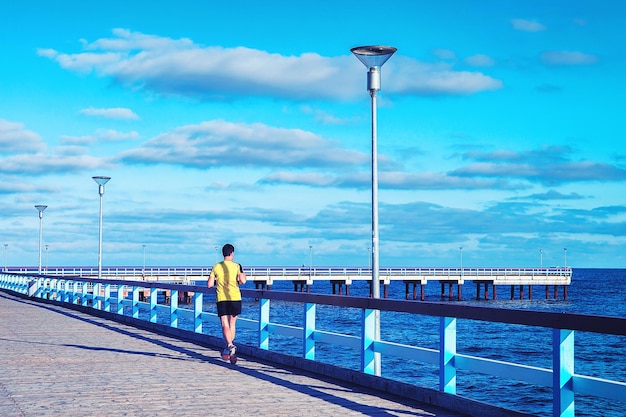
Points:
60	362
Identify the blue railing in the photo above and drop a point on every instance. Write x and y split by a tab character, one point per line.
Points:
123	297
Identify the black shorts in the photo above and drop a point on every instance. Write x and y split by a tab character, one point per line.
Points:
228	308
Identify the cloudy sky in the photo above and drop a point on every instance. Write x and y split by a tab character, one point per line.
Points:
500	130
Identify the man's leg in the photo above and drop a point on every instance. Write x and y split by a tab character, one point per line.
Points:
226	329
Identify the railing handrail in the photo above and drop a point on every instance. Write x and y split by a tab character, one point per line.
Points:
72	289
297	271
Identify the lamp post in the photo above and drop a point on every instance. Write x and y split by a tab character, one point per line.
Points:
40	209
143	270
100	181
216	248
461	262
47	258
564	257
540	258
6	245
374	57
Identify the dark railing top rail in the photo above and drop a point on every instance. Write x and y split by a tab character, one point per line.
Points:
554	320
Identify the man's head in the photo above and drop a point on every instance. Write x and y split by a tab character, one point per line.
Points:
228	250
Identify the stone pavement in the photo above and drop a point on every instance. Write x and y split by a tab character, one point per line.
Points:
61	362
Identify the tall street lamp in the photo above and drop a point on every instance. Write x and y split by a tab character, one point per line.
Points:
40	209
540	258
310	258
47	258
374	57
6	245
564	257
100	181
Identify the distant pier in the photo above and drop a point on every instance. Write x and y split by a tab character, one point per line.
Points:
520	281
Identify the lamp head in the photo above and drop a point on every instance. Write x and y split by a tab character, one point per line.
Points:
101	180
373	56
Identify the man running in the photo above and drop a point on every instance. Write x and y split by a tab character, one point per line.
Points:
227	276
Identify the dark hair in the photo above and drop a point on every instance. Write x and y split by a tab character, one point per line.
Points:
227	249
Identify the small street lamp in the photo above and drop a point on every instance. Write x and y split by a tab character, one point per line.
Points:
310	258
143	271
461	254
6	245
40	209
47	258
564	257
540	258
100	181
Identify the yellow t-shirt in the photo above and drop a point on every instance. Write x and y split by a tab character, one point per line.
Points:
225	274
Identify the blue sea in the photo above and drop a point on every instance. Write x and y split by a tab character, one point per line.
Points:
593	291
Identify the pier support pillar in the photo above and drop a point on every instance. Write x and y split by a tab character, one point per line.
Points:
512	292
530	292
422	292
459	294
478	290
565	292
521	292
556	292
495	296
486	290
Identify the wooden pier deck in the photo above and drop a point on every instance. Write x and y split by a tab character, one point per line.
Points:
62	362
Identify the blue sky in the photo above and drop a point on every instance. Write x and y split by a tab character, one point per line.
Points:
500	130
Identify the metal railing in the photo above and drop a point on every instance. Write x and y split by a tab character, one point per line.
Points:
108	295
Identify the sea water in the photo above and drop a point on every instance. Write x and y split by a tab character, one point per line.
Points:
593	291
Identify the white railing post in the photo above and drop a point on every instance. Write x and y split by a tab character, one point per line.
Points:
174	308
309	331
264	320
197	312
447	353
153	305
135	307
368	336
562	373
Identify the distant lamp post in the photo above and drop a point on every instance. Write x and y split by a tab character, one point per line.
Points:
461	261
47	258
369	258
100	181
216	248
564	257
143	270
374	57
6	245
40	209
540	258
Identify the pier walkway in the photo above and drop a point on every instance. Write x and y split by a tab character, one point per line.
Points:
56	361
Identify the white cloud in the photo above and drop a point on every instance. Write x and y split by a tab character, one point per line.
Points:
47	164
480	60
525	25
567	58
181	67
218	143
15	138
111	113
